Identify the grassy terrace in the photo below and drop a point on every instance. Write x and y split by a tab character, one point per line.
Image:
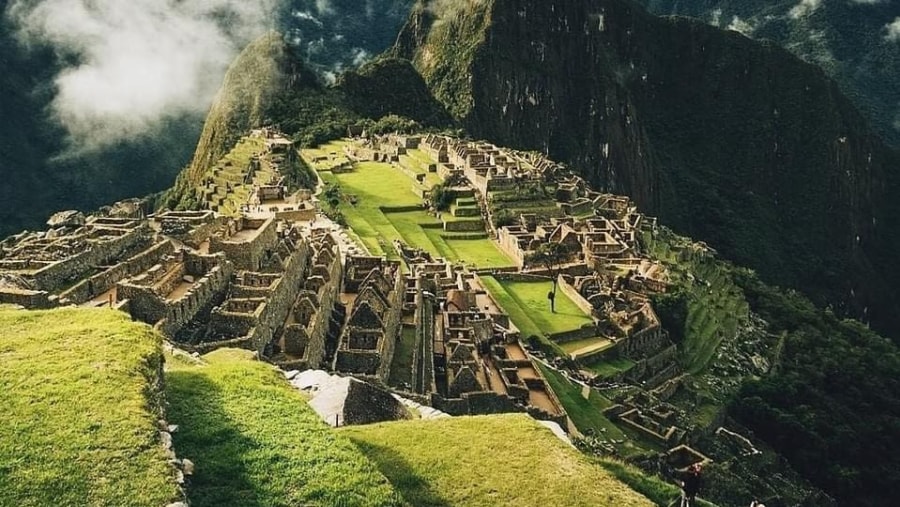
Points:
256	442
487	461
380	187
77	389
328	155
233	175
716	306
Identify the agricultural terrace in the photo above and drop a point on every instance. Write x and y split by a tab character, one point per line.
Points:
79	390
257	442
500	460
382	204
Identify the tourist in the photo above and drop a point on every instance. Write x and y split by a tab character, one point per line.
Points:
691	485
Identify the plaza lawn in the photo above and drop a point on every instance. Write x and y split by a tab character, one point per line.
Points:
255	441
378	188
500	460
527	306
80	403
332	154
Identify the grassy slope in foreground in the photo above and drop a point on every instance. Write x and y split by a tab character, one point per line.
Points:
487	460
255	441
77	389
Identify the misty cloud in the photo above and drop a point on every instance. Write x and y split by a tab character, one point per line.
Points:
893	30
804	8
137	62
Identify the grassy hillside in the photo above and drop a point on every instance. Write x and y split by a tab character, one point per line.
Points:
506	460
255	441
79	391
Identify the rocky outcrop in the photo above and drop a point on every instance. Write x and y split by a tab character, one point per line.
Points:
728	140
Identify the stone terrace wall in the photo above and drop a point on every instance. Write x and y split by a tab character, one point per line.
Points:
247	255
98	253
102	282
317	330
392	325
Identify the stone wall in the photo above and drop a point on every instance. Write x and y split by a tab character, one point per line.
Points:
30	299
98	284
392	325
98	253
247	254
317	330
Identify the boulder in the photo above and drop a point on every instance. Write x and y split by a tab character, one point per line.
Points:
70	218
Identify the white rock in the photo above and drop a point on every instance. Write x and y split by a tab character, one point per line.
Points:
187	466
166	438
172	428
291	374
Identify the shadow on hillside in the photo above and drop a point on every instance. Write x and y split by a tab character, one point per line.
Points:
414	489
208	437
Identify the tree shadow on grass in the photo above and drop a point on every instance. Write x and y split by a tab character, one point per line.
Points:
414	489
208	437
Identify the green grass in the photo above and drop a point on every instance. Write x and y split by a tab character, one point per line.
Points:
526	302
378	186
606	367
80	410
325	150
659	491
586	414
487	461
256	442
575	345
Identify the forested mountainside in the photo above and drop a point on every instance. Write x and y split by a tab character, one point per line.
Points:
43	173
729	140
857	42
268	84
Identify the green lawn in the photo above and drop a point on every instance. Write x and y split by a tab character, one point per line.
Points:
379	186
586	414
606	367
501	460
256	442
526	303
333	152
77	387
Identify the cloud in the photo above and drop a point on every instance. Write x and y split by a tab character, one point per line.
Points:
893	30
868	2
137	62
804	8
739	25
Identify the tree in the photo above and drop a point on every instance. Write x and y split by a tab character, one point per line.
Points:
552	256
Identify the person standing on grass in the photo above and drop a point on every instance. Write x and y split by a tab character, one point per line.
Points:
690	486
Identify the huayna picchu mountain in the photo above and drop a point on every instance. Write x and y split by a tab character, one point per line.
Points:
728	140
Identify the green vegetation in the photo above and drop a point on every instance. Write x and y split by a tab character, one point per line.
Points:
608	366
80	405
586	413
705	304
380	206
526	303
832	407
256	442
659	491
504	460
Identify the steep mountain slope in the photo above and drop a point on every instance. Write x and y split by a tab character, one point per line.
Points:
41	174
731	141
850	40
268	84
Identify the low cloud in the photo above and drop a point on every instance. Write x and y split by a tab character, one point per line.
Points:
804	8
893	30
136	63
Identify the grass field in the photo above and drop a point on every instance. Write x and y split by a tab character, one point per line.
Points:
79	414
378	186
502	460
256	442
606	367
332	154
527	306
586	413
